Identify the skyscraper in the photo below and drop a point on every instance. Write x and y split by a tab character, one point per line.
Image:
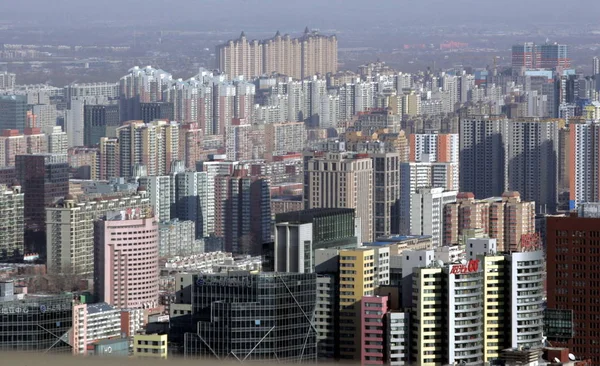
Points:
533	151
126	259
141	85
12	223
427	212
242	212
525	56
584	181
341	180
483	154
45	179
554	55
596	65
155	111
298	58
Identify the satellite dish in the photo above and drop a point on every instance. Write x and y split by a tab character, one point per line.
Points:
556	360
571	357
464	262
440	263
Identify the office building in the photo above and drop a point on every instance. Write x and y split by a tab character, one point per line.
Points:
154	145
299	58
554	56
92	323
156	111
386	193
584	143
427	212
12	223
242	212
572	285
99	121
150	346
44	179
507	219
126	259
341	180
25	322
533	152
178	238
13	112
70	229
271	318
297	235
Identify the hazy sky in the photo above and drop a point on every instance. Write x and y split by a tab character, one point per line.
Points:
294	13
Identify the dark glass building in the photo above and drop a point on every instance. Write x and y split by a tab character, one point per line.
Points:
299	234
156	110
13	112
34	323
99	121
252	317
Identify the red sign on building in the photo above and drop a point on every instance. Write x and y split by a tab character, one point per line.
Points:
472	266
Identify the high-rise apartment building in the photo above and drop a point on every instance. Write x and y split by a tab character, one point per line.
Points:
533	153
191	144
427	212
373	310
70	230
44	179
101	89
194	200
154	145
256	317
84	162
584	172
483	155
109	158
554	56
92	323
596	65
7	80
242	212
126	259
156	110
341	180
298	58
12	223
159	190
525	55
507	219
100	121
285	137
178	238
141	85
13	112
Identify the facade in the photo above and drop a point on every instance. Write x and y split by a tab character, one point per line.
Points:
195	200
44	179
483	154
297	235
572	285
272	317
123	279
150	345
427	213
242	212
525	56
154	145
533	155
141	85
178	238
109	158
341	180
159	190
373	310
99	121
93	322
285	137
398	335
584	143
507	219
156	111
554	56
12	223
298	58
13	112
70	230
24	323
7	80
326	315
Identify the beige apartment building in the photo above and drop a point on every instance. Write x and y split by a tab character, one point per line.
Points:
341	180
301	57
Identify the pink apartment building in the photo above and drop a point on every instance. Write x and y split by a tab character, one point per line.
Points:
126	261
372	313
